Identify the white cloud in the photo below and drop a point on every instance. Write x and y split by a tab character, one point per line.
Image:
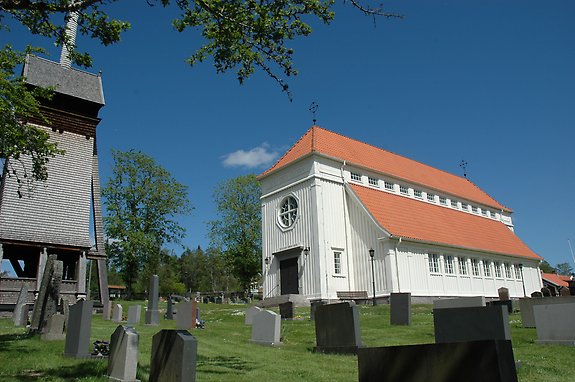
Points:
257	157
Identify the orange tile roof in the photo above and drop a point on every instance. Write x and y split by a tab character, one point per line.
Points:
553	278
413	219
322	141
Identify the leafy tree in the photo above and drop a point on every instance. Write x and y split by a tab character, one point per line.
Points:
546	267
241	35
238	231
206	271
564	269
142	202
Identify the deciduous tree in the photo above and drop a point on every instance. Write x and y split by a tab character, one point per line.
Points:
142	202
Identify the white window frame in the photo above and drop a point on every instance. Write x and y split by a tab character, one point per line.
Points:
390	186
453	203
433	262
287	218
462	265
449	267
517	269
497	267
487	268
337	263
418	194
372	181
465	207
443	200
508	274
475	271
430	197
403	190
355	176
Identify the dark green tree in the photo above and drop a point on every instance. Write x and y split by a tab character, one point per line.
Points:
142	202
564	269
237	232
546	267
237	35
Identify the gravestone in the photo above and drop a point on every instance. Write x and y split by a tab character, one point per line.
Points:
173	356
79	330
170	309
554	323
471	324
117	312
152	313
54	329
107	310
545	292
400	308
49	294
527	305
266	328
476	361
186	317
287	310
564	292
134	314
337	328
206	300
250	314
313	307
536	294
20	313
460	302
123	357
508	304
503	294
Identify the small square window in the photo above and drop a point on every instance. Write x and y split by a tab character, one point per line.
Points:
474	209
389	186
430	197
492	213
373	181
465	206
418	194
356	177
442	201
453	203
403	190
484	212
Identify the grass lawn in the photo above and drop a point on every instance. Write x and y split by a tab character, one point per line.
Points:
225	353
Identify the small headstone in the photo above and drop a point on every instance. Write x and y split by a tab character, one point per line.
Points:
503	294
186	317
219	300
337	328
206	300
527	304
173	356
107	310
134	314
476	361
152	313
564	292
170	309
545	292
400	307
287	310
266	328
250	314
555	323
117	312
123	358
20	313
471	324
505	303
536	294
313	307
49	294
79	330
460	302
54	329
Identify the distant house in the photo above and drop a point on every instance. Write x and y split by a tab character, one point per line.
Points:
555	282
331	199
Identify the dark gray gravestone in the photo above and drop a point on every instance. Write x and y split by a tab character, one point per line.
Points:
186	317
536	294
54	329
173	356
49	294
337	328
313	307
152	313
476	361
471	324
79	330
459	302
266	328
170	309
503	293
20	313
287	310
508	304
545	292
134	314
555	324
123	358
400	306
250	314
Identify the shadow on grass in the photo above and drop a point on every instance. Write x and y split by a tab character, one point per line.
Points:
69	373
219	364
6	340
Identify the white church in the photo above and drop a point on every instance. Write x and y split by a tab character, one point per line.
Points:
340	215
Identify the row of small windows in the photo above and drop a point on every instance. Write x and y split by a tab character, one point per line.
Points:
430	197
477	267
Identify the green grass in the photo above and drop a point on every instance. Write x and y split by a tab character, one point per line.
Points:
226	354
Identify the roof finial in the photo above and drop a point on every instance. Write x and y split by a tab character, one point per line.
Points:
463	165
70	40
313	108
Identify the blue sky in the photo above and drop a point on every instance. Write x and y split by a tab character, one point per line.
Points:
489	82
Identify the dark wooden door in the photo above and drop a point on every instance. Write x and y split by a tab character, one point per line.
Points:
288	276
